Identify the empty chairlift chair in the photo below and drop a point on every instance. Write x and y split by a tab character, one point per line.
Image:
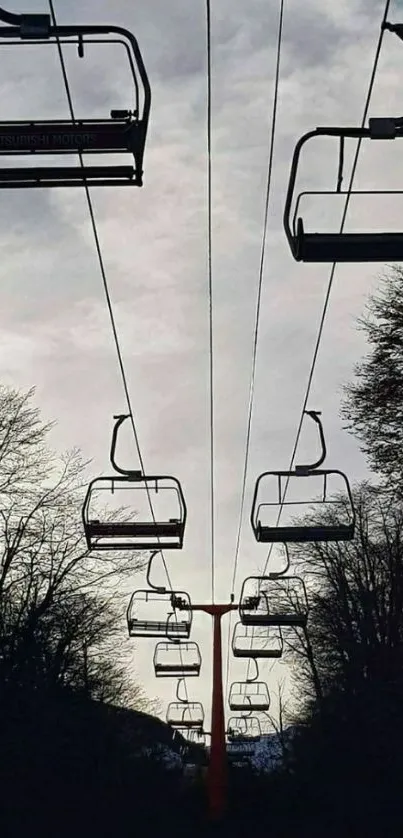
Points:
177	660
323	494
185	714
122	134
194	735
239	750
157	614
249	696
243	727
257	641
274	601
142	512
242	735
341	246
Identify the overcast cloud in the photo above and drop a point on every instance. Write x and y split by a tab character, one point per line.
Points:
55	331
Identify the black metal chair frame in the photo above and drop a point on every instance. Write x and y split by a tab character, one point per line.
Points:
249	605
124	132
249	705
341	246
171	628
177	669
186	723
300	533
133	535
257	653
235	732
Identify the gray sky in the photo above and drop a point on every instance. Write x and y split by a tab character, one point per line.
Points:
55	331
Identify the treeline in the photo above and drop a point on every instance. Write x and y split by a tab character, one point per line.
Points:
77	753
344	769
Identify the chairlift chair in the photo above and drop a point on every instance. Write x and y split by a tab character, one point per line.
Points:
270	501
177	660
249	696
274	601
238	751
341	246
185	714
195	735
257	641
163	509
244	727
123	132
154	613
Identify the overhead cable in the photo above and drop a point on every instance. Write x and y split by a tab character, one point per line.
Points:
333	267
257	315
106	288
210	296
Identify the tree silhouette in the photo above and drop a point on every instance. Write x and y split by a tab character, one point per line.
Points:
58	614
348	745
373	406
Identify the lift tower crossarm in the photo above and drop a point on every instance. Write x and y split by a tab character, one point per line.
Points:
217	770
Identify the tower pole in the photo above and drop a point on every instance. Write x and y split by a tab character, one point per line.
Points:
217	776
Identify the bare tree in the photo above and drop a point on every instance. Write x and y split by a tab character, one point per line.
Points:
355	627
373	405
58	601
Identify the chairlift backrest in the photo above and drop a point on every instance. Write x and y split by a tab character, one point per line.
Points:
153	613
123	132
341	246
177	660
274	601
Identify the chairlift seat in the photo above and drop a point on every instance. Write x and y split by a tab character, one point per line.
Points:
134	529
259	653
282	620
238	704
153	628
302	534
172	670
41	176
186	723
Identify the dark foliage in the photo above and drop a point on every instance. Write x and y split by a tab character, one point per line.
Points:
346	762
373	405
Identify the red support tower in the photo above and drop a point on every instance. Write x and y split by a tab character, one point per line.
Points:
217	771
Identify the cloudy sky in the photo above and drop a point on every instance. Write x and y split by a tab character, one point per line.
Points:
55	331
